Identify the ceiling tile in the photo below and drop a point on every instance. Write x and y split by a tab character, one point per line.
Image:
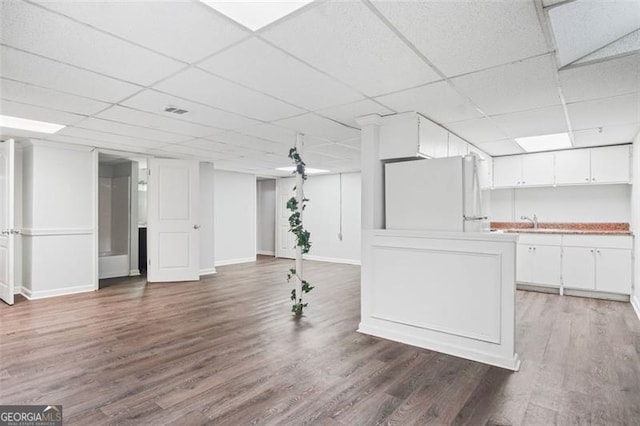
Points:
200	86
346	40
28	68
504	147
609	135
271	132
436	101
605	112
15	109
477	130
130	131
348	113
464	36
314	125
33	95
520	86
336	150
94	135
97	143
542	121
163	122
184	30
209	145
581	27
189	150
239	140
31	28
602	79
155	102
256	64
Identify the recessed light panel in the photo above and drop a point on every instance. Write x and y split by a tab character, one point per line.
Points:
545	142
31	125
255	14
307	170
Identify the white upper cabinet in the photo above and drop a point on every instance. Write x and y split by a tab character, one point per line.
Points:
457	146
611	164
523	170
433	139
537	169
572	167
604	165
399	137
507	171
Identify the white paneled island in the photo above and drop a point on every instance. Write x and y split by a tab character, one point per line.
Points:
451	292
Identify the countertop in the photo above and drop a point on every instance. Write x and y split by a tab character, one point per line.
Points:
572	228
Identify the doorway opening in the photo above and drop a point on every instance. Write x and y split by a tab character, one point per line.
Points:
119	200
266	216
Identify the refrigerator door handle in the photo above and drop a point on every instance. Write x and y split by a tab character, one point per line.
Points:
475	217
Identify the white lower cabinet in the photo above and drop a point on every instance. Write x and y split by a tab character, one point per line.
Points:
580	262
539	260
578	268
613	270
597	263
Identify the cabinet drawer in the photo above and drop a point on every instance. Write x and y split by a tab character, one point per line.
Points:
536	239
602	241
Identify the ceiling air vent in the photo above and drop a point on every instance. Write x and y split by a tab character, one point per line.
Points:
175	110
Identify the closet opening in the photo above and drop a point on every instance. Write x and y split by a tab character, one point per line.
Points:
121	218
266	216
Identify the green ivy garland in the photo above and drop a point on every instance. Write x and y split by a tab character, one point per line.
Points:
302	235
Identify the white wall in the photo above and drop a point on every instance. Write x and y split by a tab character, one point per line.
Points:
234	217
322	217
635	224
59	227
207	236
266	216
589	203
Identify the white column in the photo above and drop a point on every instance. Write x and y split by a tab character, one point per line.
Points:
299	199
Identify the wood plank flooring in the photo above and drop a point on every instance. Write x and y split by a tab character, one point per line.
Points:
226	350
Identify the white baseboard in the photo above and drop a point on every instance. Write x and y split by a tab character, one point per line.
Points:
235	261
511	363
332	260
635	302
134	272
208	271
43	294
266	253
113	275
17	289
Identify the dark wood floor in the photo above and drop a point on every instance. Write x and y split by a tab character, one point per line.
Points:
226	351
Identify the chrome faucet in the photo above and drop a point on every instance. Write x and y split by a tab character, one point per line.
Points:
534	220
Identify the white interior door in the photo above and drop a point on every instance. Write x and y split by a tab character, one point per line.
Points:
173	229
285	240
7	165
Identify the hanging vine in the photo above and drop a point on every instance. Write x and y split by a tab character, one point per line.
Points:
296	227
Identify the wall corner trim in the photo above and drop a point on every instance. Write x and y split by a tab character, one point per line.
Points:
235	261
207	271
635	303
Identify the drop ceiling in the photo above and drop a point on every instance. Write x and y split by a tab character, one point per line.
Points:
489	71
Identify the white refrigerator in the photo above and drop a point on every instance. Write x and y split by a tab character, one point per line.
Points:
440	194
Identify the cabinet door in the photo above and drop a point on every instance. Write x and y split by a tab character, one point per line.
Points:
578	268
547	265
433	139
613	270
399	137
572	167
537	169
610	164
457	146
507	171
523	263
